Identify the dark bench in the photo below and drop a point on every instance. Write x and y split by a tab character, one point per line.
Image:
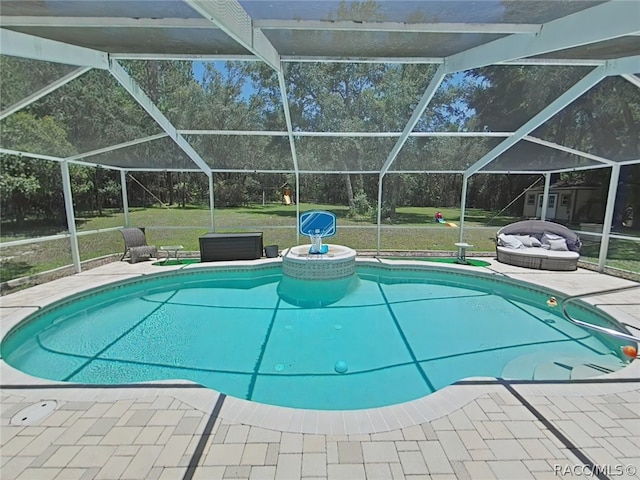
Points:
230	246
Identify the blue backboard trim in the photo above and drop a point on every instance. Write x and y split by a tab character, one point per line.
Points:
318	222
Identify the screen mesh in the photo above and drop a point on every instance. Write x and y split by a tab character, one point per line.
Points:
21	77
498	98
531	157
354	97
451	11
235	152
89	113
605	121
337	153
207	95
442	153
157	154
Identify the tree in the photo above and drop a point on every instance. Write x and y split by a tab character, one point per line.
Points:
29	183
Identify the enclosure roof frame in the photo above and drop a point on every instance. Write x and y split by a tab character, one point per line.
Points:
521	44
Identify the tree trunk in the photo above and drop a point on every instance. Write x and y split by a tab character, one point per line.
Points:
169	179
349	188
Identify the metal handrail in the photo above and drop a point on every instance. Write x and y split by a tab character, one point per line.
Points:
598	328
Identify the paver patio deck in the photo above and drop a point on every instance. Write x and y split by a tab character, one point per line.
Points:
474	430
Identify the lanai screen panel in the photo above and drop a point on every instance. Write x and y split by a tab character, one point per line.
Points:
160	154
605	122
78	8
112	27
21	77
532	157
442	153
374	44
498	98
244	152
451	107
177	41
445	11
343	153
354	97
208	95
89	113
299	39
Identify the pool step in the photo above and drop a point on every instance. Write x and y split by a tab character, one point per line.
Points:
537	366
577	368
523	367
589	370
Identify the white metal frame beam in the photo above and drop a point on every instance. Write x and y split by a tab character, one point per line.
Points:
608	217
118	146
268	24
428	94
632	78
71	218
400	27
103	22
27	46
583	85
573	151
232	19
624	65
43	91
274	133
602	22
145	102
292	144
575	62
39	156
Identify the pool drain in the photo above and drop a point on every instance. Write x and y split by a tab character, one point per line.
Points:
33	414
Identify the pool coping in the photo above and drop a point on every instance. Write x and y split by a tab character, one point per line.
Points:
296	420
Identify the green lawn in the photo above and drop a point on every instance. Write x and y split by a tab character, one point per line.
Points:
412	229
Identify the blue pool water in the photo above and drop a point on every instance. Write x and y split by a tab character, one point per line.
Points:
381	337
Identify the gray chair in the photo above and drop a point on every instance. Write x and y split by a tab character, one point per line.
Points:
135	245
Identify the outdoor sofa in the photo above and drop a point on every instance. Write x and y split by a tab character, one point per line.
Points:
538	244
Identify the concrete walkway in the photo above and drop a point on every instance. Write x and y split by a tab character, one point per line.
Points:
479	429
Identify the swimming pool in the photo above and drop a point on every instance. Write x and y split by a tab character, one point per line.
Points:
382	337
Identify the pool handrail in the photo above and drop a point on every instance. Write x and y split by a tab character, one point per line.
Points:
598	328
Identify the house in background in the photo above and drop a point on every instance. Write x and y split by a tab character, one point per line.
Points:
567	203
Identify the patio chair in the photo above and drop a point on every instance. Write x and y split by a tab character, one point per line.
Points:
135	245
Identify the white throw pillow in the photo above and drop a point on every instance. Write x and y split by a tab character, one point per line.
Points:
559	245
528	241
509	241
551	241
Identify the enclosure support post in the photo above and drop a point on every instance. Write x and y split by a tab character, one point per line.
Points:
379	210
297	205
608	216
125	197
292	145
545	196
71	219
211	204
463	205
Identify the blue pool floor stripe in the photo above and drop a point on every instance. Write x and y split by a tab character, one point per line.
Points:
280	374
423	374
116	340
564	334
